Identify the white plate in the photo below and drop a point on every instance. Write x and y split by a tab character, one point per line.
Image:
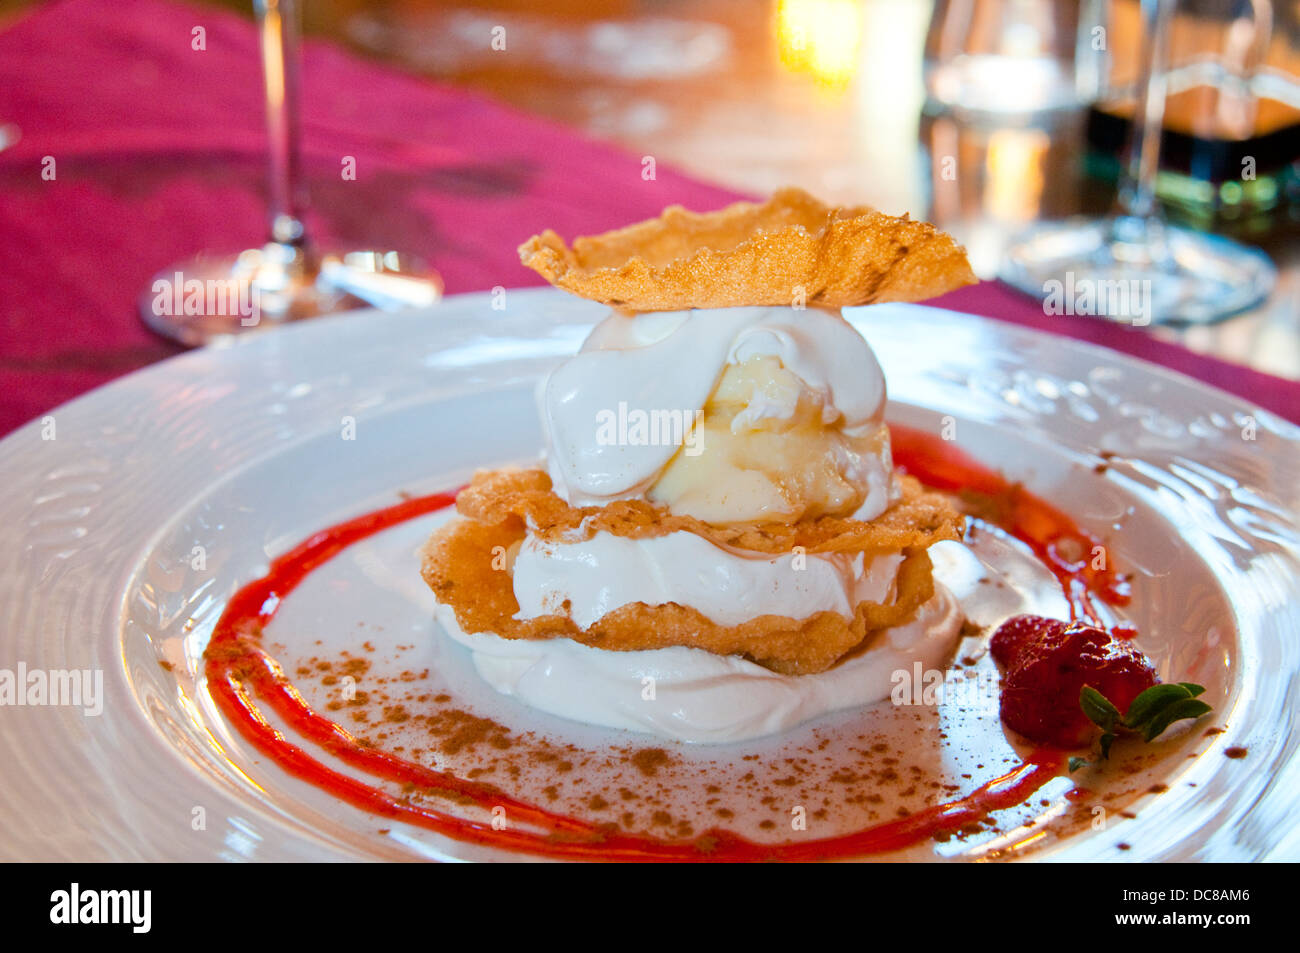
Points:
240	450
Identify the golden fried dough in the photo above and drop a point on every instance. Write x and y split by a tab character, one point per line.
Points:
461	564
789	247
920	519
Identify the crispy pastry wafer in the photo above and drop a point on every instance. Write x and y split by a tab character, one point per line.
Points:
461	564
920	519
789	247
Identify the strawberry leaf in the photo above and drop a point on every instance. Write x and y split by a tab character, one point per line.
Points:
1187	708
1149	715
1153	700
1098	708
1106	741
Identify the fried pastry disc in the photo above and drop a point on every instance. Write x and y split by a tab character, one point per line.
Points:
918	520
790	248
461	564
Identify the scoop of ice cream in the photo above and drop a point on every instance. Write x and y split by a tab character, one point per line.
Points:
766	451
733	415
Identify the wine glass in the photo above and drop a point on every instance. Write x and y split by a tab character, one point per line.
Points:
1132	267
287	279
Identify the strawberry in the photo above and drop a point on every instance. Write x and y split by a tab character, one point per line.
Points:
1017	631
1048	663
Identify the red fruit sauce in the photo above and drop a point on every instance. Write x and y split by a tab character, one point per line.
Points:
1059	543
245	682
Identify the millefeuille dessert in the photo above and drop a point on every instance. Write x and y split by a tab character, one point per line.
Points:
717	546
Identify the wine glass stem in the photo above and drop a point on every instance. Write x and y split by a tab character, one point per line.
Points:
278	26
1137	193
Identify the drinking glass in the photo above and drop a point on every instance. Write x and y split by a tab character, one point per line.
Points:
1132	266
287	279
1009	62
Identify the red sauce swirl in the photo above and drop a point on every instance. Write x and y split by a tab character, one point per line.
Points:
247	684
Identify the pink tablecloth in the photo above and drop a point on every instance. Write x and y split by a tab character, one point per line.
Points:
158	152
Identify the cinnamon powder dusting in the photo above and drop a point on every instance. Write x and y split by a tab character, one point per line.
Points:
858	771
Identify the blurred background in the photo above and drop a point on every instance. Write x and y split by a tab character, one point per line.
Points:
980	115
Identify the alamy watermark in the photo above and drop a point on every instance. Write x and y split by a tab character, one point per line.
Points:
77	905
635	427
976	692
38	687
1123	299
211	297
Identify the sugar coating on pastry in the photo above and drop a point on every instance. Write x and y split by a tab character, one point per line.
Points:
458	565
791	249
918	520
464	564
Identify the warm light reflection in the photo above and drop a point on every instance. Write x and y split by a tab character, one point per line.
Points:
1014	163
821	38
273	55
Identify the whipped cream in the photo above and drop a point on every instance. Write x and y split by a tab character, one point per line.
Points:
601	574
792	403
705	698
671	362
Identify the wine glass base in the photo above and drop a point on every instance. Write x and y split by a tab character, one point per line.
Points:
1137	272
208	299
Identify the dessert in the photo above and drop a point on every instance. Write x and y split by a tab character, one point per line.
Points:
717	547
718	514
